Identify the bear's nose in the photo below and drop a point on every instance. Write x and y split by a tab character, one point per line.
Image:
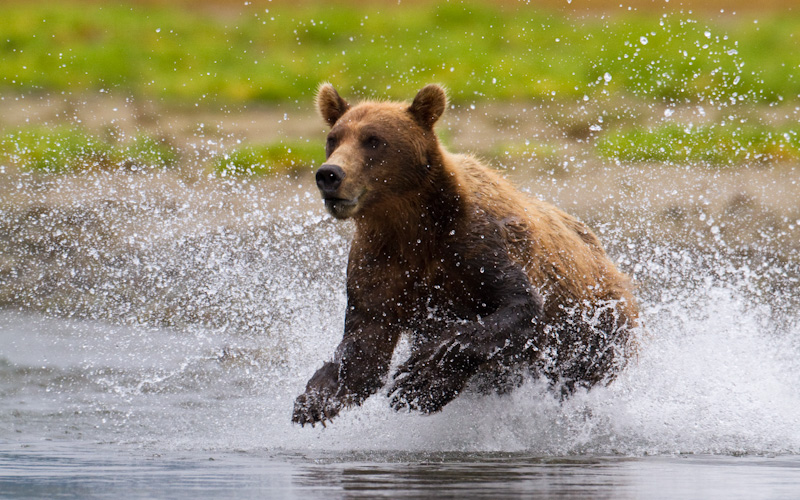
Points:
329	178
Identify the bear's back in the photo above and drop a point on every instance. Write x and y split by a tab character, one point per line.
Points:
561	255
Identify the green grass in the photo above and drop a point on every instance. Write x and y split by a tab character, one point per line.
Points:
268	52
146	151
66	149
280	53
709	144
58	150
268	159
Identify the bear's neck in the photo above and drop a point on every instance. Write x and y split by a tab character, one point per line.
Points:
415	228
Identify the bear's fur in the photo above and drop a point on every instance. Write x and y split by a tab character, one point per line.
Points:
485	280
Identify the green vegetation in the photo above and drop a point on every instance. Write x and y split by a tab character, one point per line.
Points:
480	51
58	150
709	144
257	52
541	152
268	159
145	151
66	149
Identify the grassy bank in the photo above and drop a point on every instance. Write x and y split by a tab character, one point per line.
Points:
280	53
66	149
654	87
710	145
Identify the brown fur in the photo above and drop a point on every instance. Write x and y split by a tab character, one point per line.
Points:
487	280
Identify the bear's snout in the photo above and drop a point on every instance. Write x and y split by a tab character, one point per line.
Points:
329	178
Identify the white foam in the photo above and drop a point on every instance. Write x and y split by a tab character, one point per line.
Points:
709	379
718	370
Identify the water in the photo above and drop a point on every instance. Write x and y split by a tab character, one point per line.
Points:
153	345
69	471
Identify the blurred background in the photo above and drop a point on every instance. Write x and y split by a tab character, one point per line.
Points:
681	114
656	120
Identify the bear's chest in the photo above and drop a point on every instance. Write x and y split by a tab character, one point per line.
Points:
441	294
411	293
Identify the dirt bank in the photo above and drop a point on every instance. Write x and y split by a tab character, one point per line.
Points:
126	244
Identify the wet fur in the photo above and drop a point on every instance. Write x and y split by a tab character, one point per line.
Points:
486	280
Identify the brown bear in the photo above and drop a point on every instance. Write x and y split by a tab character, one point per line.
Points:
490	284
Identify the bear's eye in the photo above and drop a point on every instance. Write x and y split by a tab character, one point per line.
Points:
373	142
330	145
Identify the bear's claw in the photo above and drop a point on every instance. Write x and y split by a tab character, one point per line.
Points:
432	378
314	407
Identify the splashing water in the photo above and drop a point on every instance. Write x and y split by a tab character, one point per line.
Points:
198	315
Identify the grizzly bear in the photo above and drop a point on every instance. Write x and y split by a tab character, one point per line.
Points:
488	283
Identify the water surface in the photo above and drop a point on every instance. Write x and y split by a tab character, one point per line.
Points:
63	470
153	346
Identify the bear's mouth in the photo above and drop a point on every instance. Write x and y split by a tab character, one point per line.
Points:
342	208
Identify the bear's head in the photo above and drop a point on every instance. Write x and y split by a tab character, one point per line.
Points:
378	154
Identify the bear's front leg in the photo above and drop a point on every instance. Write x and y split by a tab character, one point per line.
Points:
319	402
360	364
434	375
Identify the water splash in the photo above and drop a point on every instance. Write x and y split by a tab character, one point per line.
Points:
203	328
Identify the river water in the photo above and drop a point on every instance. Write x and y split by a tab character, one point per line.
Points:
141	356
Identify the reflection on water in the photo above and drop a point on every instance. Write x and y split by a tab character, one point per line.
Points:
74	470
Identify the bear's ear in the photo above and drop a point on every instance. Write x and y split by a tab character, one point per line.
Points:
330	104
428	105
